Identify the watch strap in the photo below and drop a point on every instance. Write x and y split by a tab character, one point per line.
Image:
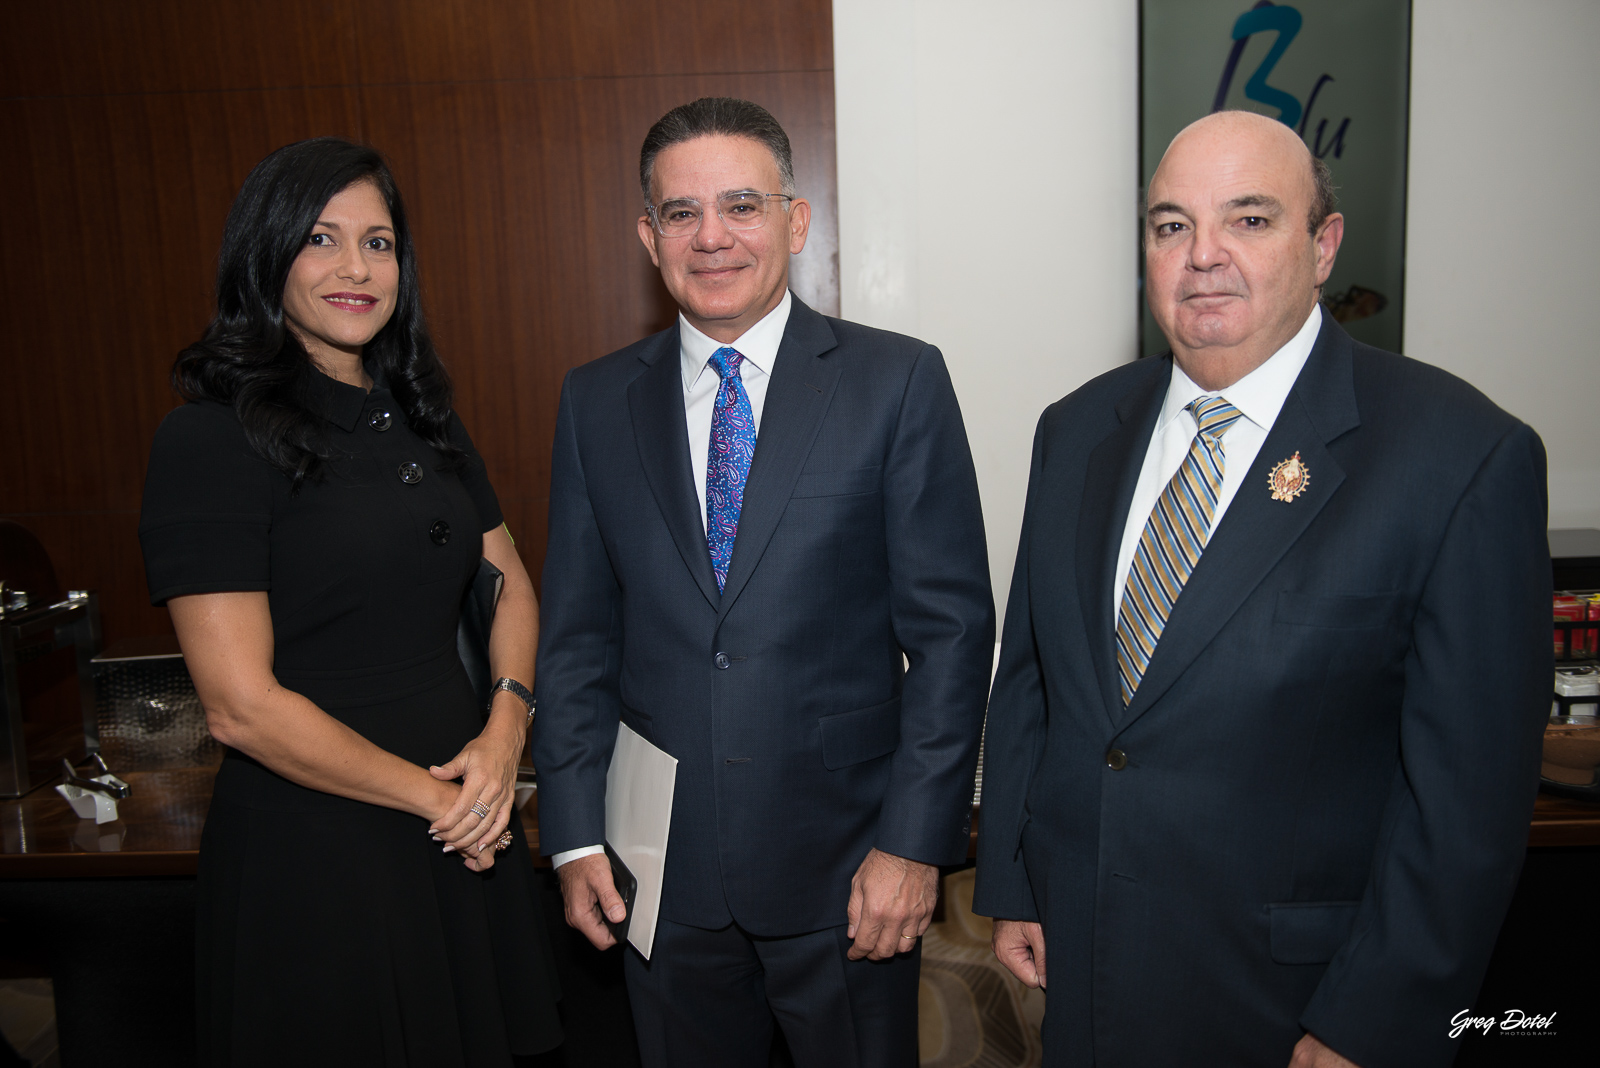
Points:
516	689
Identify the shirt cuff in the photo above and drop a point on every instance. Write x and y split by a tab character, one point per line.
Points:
565	855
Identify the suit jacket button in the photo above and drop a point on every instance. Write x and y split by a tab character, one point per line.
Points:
1116	760
410	472
722	661
439	533
380	420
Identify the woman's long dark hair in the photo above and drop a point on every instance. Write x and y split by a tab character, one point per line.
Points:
249	358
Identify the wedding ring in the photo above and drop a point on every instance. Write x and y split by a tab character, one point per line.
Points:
481	809
503	842
908	938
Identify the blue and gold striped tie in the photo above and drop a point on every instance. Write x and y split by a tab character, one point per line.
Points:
1173	539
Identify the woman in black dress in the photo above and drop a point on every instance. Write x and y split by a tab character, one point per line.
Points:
311	519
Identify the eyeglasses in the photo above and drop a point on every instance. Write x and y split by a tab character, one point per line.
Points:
745	210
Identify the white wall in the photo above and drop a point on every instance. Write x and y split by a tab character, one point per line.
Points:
1502	257
987	187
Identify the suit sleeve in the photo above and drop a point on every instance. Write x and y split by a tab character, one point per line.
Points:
942	611
1013	738
579	656
1477	694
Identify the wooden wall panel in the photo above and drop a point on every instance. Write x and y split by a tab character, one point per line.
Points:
93	47
99	47
459	40
514	130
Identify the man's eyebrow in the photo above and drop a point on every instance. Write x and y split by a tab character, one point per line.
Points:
1255	200
724	193
1164	207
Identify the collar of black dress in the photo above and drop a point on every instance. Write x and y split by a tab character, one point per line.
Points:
341	403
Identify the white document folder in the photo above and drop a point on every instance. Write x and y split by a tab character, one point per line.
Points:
639	787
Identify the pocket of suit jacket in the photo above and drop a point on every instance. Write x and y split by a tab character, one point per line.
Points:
641	723
853	737
1310	932
837	483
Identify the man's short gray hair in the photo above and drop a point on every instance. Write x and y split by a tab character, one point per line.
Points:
1324	202
712	116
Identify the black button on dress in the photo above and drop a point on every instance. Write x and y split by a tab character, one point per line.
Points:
332	931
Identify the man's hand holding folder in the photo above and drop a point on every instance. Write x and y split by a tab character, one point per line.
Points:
591	898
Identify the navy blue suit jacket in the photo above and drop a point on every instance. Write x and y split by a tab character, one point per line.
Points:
861	536
1331	761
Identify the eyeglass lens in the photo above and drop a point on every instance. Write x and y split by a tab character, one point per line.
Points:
739	211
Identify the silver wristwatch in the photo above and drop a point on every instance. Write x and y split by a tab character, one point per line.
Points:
517	690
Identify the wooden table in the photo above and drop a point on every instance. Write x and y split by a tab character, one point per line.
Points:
1560	822
158	832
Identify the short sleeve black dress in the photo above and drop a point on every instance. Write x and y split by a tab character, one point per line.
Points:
331	931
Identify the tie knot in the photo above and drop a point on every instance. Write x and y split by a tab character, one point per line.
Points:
1214	415
726	360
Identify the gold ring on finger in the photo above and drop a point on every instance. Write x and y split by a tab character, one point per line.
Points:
481	809
503	842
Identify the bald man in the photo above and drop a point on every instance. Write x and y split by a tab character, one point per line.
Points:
1264	738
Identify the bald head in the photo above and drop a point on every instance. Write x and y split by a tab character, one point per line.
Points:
1262	134
1238	243
1275	136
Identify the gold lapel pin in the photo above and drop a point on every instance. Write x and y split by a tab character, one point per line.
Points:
1289	479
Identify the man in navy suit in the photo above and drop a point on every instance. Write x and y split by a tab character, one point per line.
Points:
758	518
1264	737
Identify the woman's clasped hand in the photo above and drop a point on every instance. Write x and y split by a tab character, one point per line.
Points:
487	768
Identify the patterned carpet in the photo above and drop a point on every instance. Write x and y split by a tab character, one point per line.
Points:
971	1012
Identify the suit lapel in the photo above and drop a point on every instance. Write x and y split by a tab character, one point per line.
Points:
1257	531
1108	487
655	404
797	398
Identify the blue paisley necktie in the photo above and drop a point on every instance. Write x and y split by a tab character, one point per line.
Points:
733	442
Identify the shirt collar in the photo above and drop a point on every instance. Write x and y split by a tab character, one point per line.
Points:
758	345
1259	395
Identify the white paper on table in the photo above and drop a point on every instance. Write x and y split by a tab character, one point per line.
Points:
639	787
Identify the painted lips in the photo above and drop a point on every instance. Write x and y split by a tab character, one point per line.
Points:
352	302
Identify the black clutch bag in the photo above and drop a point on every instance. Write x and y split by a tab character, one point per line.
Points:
477	617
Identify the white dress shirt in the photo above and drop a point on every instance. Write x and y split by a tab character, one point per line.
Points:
759	347
1259	396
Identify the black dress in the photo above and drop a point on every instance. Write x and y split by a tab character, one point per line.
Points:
332	931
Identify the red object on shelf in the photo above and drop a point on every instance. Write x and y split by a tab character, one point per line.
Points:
1567	608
